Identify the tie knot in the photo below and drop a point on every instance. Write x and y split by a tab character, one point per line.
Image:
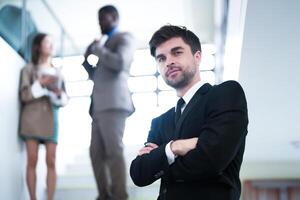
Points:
180	103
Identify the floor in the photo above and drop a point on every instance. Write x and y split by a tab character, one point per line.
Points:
76	181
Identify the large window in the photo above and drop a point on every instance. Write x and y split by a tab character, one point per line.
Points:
150	94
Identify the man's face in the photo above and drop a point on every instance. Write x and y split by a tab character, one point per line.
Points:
107	22
177	64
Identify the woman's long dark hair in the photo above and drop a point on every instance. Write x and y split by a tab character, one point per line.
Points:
36	47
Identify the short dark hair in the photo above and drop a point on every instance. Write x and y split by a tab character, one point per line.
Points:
170	31
109	9
36	47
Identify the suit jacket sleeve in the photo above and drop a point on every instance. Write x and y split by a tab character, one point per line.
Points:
219	139
118	57
147	168
89	69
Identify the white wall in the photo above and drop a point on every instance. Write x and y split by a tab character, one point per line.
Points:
269	72
12	150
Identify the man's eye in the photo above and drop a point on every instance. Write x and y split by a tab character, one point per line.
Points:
178	52
160	59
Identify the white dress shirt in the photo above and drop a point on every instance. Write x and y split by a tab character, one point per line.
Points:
187	97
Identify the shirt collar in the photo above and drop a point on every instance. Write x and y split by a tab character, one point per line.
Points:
191	92
112	32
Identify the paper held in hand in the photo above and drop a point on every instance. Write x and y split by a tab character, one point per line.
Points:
52	73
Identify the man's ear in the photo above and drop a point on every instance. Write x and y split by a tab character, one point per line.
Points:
198	57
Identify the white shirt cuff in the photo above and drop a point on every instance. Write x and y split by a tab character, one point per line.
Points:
37	90
170	155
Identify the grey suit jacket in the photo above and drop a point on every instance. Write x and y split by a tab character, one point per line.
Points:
110	76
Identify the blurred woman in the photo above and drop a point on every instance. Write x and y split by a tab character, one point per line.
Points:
42	92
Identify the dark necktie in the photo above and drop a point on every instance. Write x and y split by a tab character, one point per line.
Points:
179	105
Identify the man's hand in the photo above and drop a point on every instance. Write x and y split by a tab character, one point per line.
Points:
147	149
181	147
97	42
89	48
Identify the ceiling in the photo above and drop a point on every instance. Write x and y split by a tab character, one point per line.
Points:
141	18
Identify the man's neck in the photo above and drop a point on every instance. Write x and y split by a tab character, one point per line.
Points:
182	91
112	32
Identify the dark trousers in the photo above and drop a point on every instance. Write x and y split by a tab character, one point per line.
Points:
106	151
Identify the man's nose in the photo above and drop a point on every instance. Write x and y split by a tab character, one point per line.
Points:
170	61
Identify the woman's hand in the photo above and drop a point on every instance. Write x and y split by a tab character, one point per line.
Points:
47	80
57	92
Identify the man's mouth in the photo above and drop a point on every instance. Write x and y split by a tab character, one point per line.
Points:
172	72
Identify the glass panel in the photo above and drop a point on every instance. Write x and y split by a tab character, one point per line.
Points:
39	18
71	68
74	126
162	84
208	62
138	124
144	100
79	88
209	48
142	84
11	27
41	12
208	77
143	63
167	99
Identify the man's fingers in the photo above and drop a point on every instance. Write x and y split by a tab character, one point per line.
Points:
142	152
145	150
149	144
193	142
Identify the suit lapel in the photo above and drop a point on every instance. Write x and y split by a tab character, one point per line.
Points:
195	99
170	126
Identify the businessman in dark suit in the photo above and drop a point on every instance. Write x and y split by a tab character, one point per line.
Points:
196	148
111	104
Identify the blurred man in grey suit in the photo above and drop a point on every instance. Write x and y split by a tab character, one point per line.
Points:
111	104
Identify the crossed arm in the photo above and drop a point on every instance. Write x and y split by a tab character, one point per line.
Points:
178	147
220	139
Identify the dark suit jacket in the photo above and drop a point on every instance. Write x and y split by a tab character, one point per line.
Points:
110	77
217	115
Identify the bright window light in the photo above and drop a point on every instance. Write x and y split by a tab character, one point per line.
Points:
162	85
143	64
142	84
151	96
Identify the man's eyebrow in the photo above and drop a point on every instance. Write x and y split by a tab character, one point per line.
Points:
159	56
176	48
172	50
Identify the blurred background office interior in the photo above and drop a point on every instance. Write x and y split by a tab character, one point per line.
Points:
254	42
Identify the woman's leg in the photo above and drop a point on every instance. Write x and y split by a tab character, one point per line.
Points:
51	171
32	147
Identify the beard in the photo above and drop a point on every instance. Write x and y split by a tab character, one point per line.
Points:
182	80
106	29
